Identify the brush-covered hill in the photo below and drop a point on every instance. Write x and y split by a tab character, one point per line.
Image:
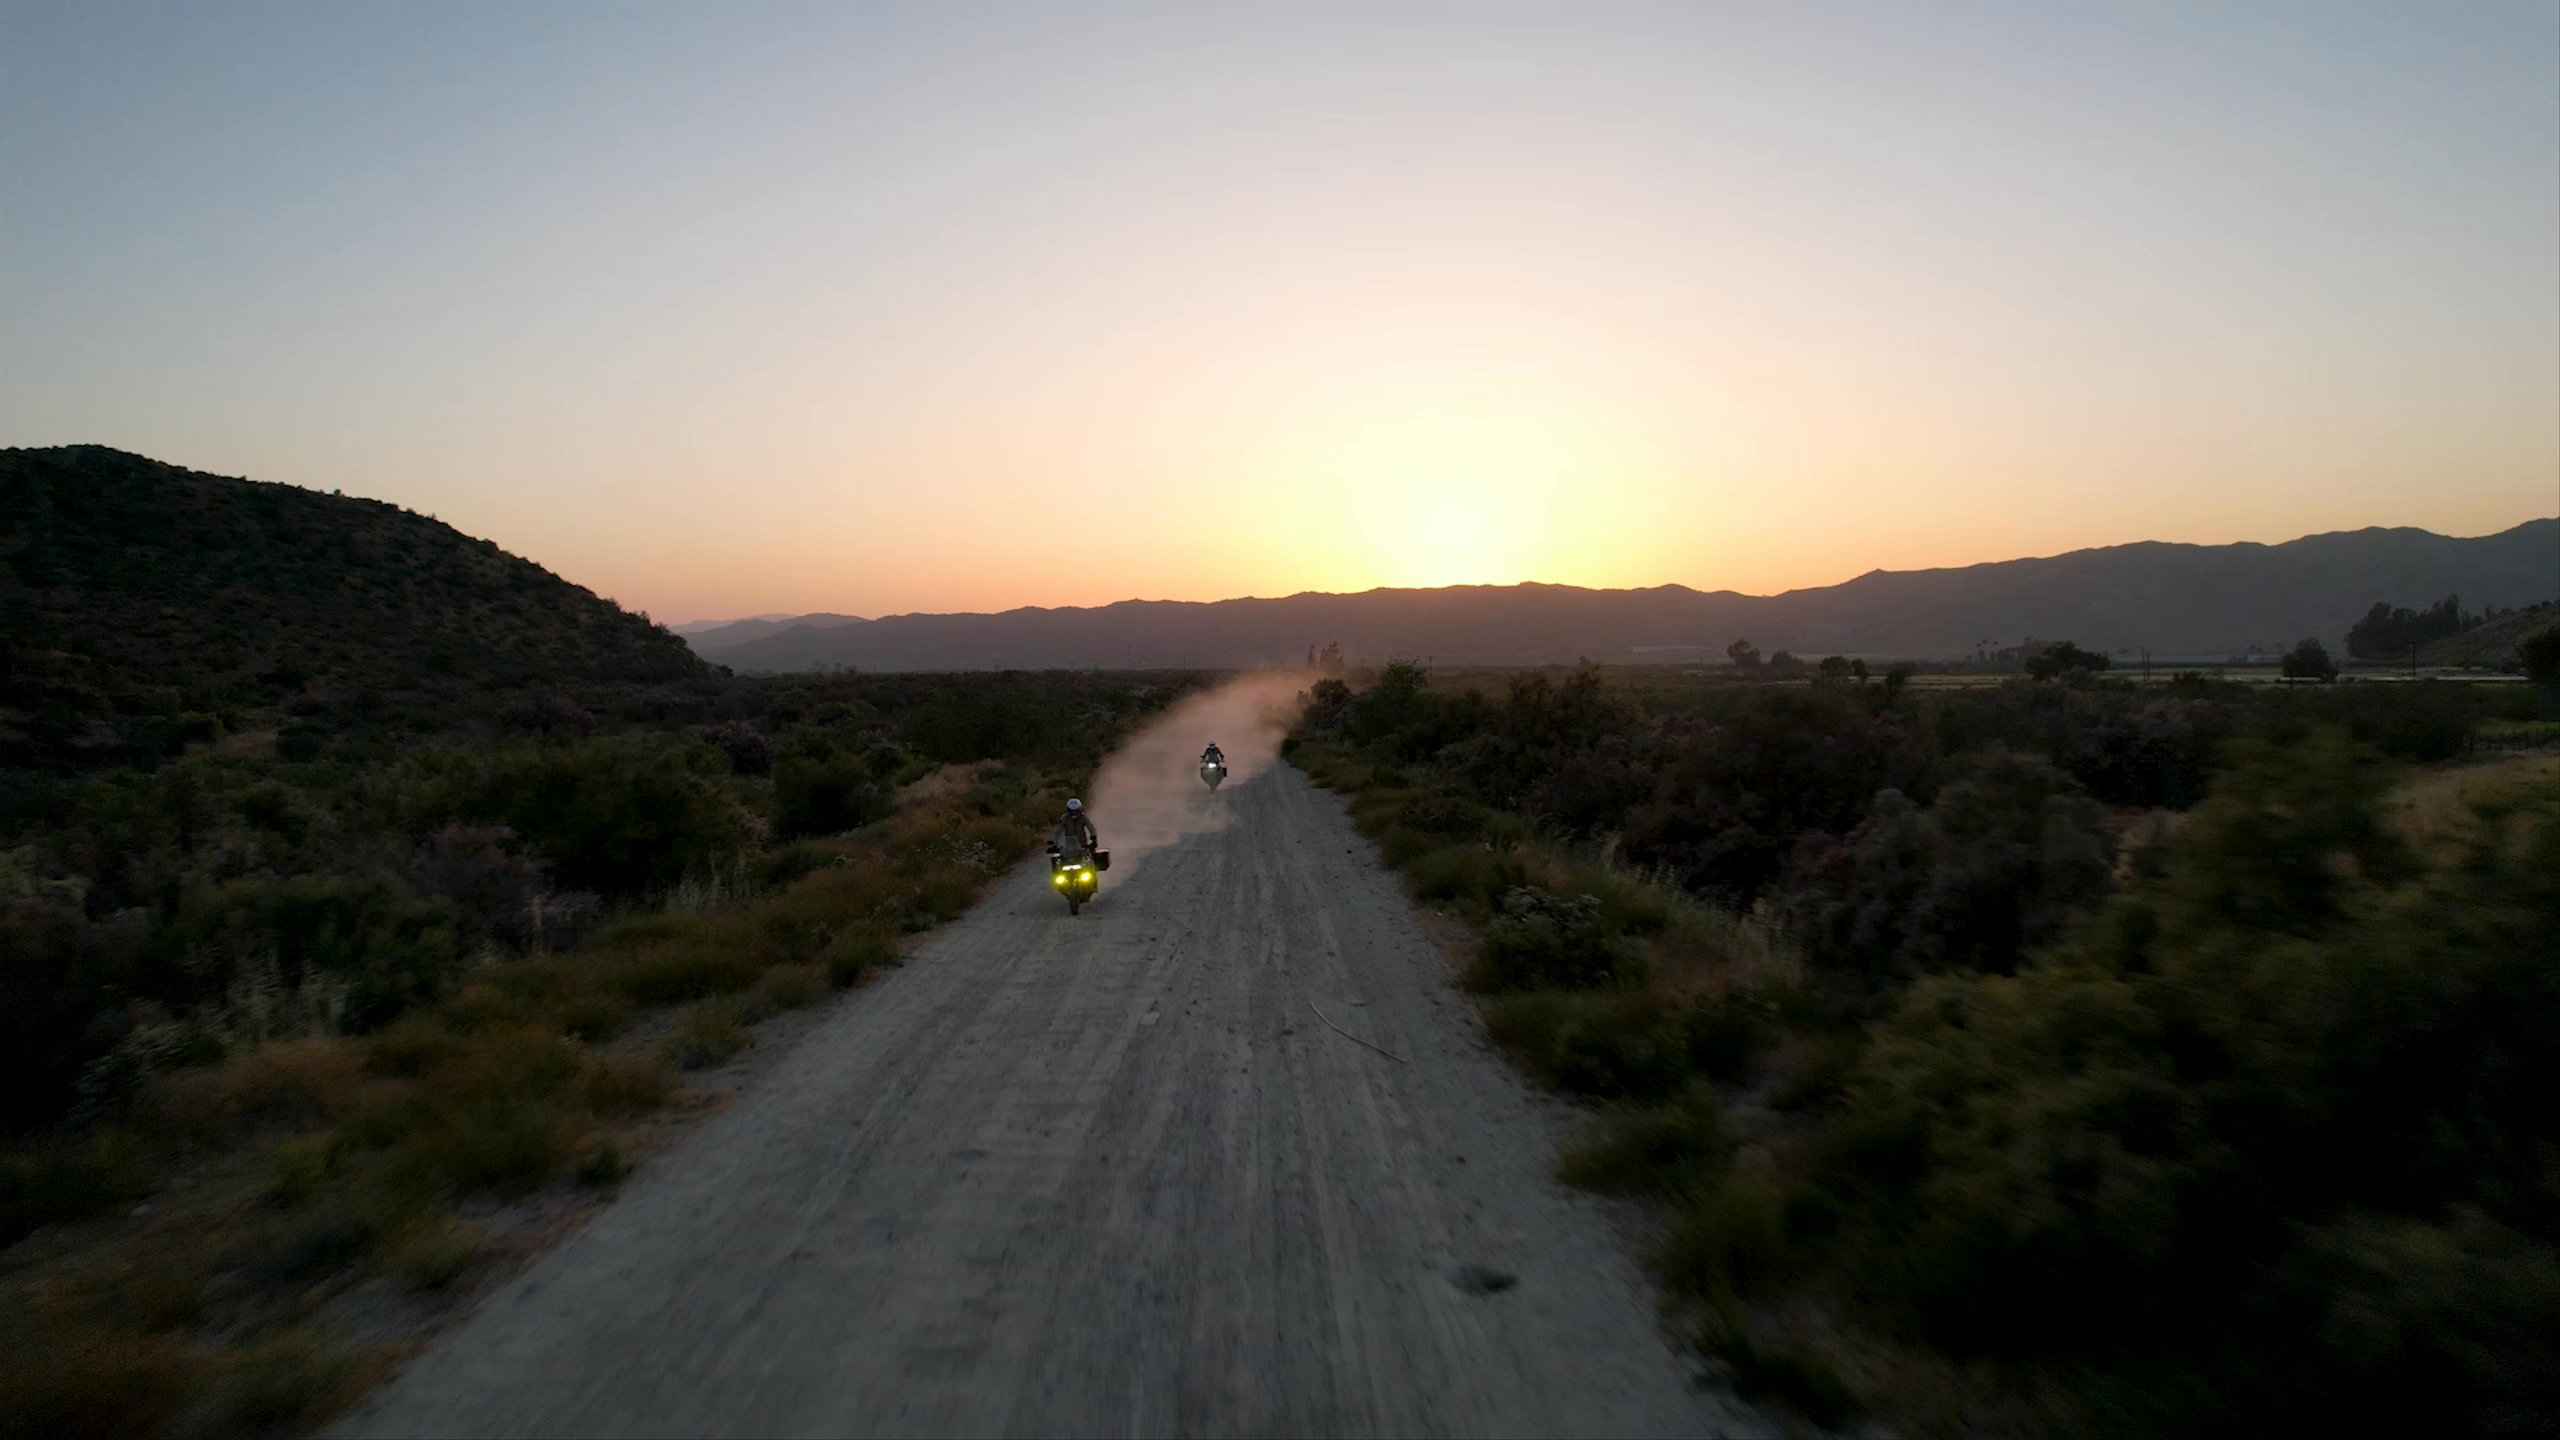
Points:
2177	600
143	605
2495	644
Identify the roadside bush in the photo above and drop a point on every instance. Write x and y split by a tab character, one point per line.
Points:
66	1179
1681	1147
749	752
1625	1045
1998	867
371	947
494	892
1474	877
1742	785
2283	1081
621	816
2427	721
1591	793
1544	940
673	959
812	797
58	971
708	1034
856	953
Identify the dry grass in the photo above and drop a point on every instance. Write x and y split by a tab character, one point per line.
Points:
430	1254
285	1084
2438	804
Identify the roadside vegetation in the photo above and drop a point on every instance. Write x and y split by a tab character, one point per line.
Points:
2066	1056
329	1015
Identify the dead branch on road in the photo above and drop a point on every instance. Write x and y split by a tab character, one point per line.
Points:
1347	1035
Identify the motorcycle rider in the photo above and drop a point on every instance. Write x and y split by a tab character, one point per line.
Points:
1213	755
1076	837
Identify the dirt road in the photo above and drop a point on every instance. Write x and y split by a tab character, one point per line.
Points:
1100	1176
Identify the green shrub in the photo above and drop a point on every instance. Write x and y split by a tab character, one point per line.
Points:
2283	1079
1680	1147
603	1163
856	953
697	959
373	946
708	1034
97	1380
1729	1237
1779	1370
487	1144
431	1254
619	816
813	797
789	987
1473	877
612	1086
785	864
287	1381
1612	1047
66	1179
1546	940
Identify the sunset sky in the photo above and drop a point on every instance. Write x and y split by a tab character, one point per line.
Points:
723	309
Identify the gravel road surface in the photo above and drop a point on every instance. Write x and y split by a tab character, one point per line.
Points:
1108	1175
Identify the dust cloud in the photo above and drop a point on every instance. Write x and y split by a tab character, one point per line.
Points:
1149	794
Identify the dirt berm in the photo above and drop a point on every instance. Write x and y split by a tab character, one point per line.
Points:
1107	1175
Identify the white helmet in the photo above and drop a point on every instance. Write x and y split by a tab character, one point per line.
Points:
1075	805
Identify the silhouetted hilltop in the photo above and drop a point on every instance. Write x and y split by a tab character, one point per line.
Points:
710	636
134	595
2175	599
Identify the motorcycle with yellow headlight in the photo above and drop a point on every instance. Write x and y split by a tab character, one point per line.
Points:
1076	876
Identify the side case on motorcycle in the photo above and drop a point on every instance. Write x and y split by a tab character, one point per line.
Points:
1101	859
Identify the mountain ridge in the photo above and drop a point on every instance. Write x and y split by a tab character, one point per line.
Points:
2174	597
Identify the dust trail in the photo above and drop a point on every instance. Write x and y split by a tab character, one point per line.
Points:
1149	794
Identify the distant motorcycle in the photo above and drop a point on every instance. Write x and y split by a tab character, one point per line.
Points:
1212	773
1075	879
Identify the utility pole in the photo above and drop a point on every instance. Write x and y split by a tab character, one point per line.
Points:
2146	664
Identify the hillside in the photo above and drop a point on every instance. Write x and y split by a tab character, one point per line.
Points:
2498	643
139	599
2191	600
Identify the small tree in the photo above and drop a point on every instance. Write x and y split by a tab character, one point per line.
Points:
2062	659
1743	654
2542	656
1834	667
2310	660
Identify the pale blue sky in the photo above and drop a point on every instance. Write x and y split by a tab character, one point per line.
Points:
725	309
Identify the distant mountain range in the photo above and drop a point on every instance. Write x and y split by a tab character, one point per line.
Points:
2176	600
